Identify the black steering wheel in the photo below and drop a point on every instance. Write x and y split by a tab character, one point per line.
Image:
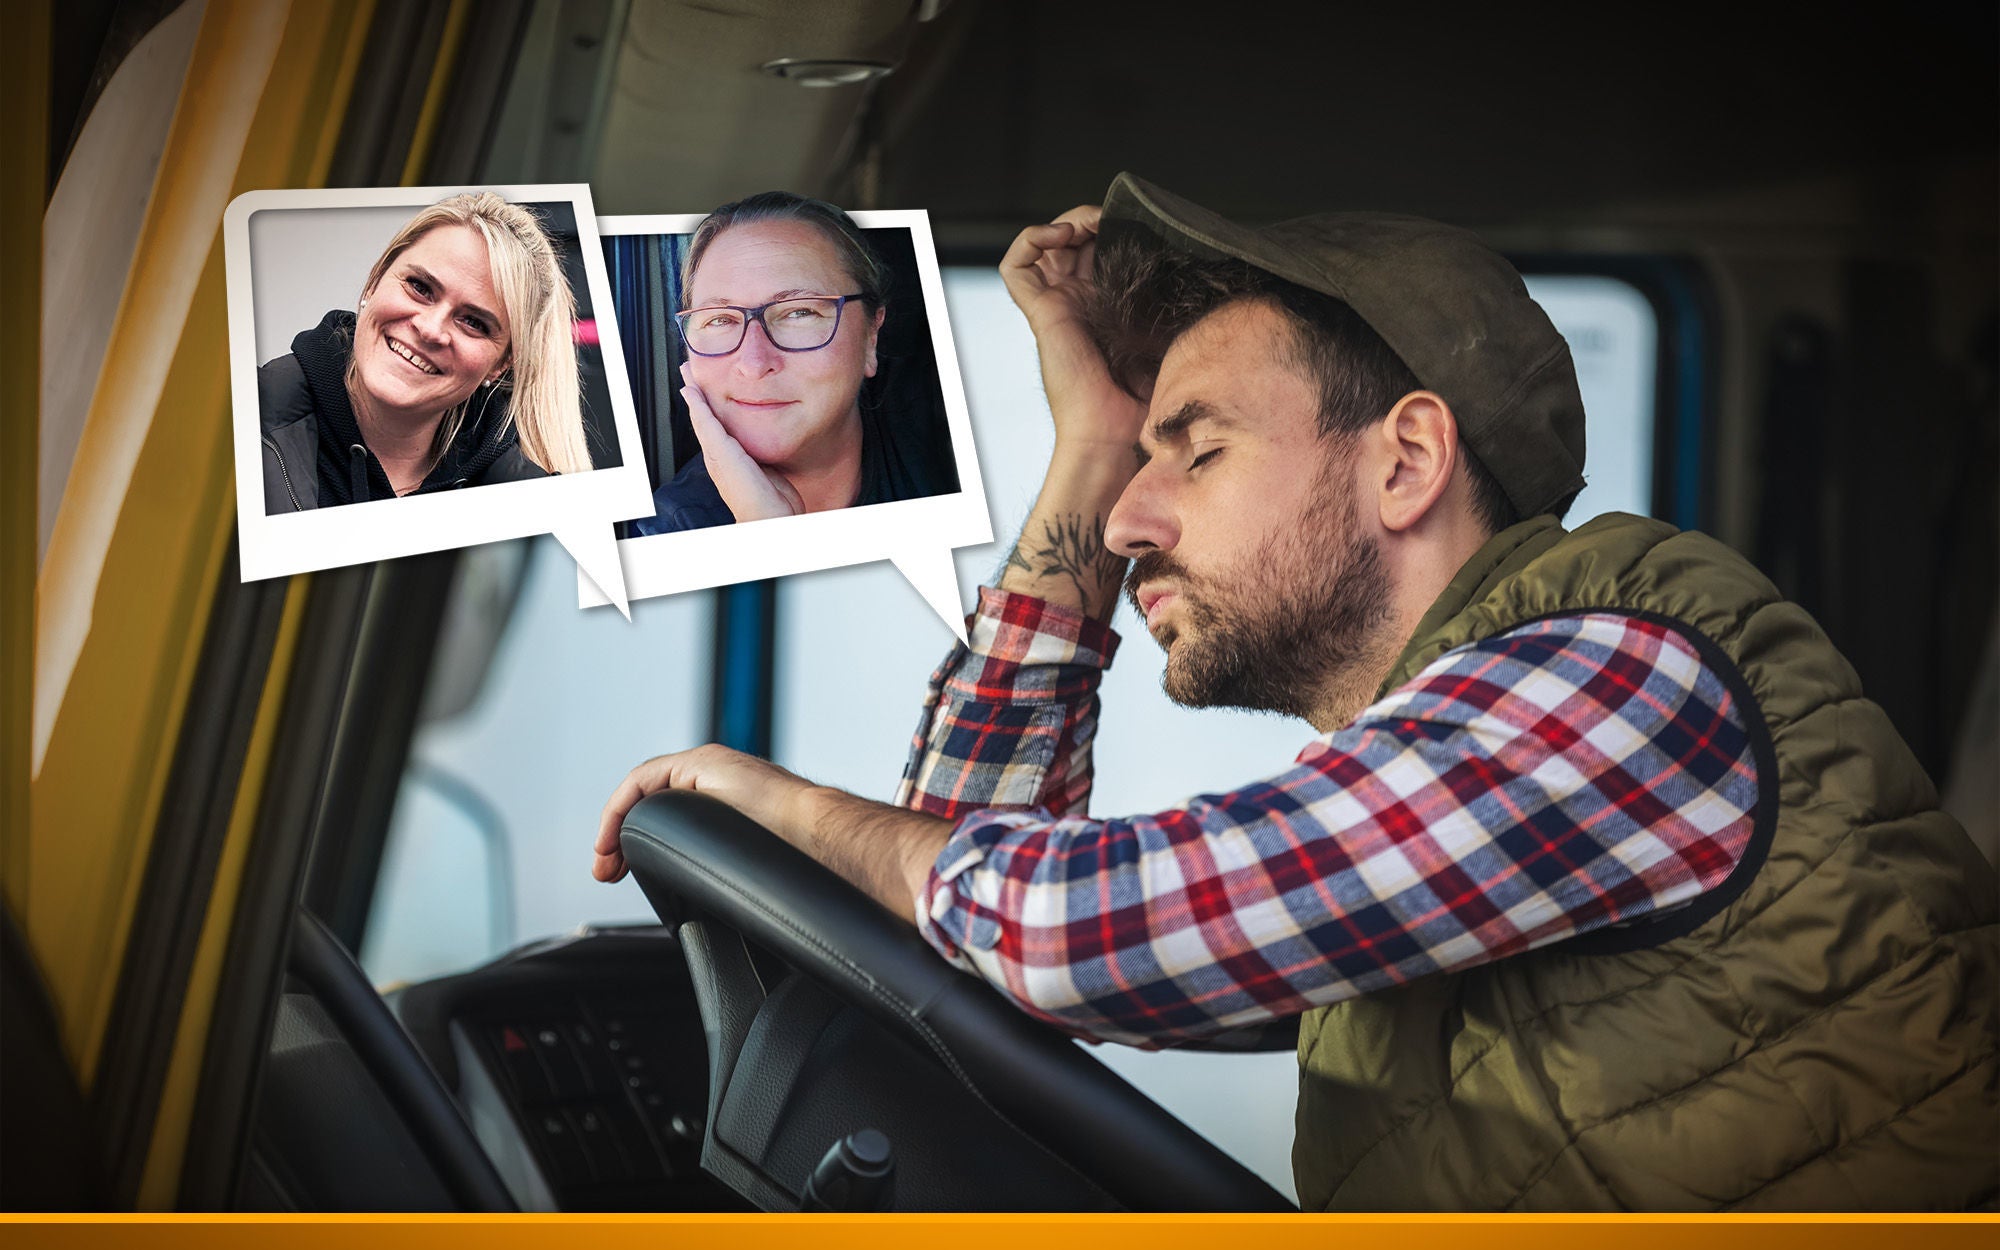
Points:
718	875
325	1141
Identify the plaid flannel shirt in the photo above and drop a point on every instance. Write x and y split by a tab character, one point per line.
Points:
1572	773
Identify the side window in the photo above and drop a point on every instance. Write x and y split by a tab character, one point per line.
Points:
1614	337
489	845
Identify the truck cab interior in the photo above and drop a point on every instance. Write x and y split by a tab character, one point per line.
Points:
297	906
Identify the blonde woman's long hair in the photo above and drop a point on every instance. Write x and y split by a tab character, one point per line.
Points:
542	374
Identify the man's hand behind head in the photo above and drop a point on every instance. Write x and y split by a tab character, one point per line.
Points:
1061	557
1050	273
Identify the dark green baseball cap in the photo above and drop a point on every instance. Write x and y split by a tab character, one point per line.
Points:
1451	307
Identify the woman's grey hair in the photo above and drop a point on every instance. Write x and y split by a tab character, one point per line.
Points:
869	275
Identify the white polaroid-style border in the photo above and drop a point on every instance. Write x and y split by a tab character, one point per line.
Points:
918	534
322	538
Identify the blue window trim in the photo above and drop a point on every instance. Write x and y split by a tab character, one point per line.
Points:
1683	379
742	693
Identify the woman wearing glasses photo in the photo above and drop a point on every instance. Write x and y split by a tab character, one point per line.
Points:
783	304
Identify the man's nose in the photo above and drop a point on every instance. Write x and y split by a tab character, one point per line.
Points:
1143	519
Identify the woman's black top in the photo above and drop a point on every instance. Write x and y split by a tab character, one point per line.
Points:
314	455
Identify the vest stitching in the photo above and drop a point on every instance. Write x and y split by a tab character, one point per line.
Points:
1872	819
1900	1113
1485	622
1707	953
1763	832
1800	1023
1694	957
1604	1186
1825	1147
1923	917
1622	1113
1406	1118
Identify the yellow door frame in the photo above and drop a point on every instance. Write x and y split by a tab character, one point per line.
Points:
119	611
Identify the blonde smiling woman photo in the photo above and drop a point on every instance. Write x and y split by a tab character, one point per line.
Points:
457	368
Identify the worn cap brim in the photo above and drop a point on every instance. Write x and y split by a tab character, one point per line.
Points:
1450	307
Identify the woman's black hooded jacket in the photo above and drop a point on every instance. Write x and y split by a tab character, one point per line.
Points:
314	456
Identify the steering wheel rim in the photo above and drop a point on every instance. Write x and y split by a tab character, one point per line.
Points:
405	1077
690	852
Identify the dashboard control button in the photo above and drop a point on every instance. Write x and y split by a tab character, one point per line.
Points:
522	1066
566	1071
600	1144
567	1161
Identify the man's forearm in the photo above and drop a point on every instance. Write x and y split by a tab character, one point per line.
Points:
885	851
1060	555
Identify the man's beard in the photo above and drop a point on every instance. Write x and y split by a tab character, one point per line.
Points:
1276	635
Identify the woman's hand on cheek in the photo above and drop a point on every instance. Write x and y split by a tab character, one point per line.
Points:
752	491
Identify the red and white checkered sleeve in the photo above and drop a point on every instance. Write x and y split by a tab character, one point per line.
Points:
1008	720
1570	774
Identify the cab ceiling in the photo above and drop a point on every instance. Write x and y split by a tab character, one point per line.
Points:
692	121
1003	111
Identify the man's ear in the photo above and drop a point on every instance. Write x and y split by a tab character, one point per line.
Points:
1418	442
874	332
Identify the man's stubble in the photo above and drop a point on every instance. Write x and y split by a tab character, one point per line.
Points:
1298	630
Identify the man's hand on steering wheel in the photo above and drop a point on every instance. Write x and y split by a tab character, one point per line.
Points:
758	788
886	851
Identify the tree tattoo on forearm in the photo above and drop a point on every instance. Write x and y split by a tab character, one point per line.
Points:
1073	548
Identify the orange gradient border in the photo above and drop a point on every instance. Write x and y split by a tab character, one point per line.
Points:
969	1232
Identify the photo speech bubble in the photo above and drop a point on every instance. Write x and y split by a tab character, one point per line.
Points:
916	535
293	256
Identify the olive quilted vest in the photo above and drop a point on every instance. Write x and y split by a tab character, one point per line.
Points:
1818	1032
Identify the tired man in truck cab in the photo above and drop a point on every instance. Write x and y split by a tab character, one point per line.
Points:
1602	884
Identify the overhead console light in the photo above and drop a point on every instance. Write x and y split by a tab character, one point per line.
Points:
809	73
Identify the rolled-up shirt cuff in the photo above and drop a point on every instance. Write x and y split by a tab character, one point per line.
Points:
1013	626
949	915
1024	648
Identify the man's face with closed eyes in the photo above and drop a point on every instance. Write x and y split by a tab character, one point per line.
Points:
1251	564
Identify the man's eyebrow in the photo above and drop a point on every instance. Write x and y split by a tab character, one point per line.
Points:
436	285
1176	424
